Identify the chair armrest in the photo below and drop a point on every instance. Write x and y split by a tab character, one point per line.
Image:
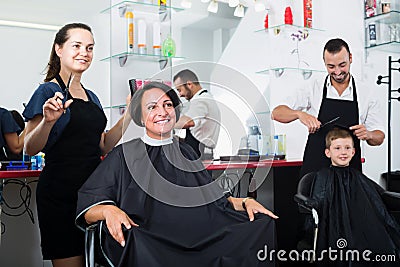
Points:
306	202
89	244
391	200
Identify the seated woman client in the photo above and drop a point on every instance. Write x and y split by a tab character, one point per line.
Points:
159	204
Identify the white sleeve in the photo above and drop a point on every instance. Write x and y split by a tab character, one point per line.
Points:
198	109
373	117
300	99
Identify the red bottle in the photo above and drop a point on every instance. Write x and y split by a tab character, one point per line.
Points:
288	15
307	7
266	22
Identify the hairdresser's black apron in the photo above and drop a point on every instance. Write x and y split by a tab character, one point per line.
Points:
193	142
314	157
69	163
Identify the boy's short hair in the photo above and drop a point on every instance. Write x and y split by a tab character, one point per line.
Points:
337	133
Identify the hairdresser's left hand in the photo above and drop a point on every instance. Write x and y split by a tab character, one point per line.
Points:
373	138
360	132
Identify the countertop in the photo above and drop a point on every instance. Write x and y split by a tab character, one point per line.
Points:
210	165
222	165
19	174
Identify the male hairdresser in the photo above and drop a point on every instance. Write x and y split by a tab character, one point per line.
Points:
202	117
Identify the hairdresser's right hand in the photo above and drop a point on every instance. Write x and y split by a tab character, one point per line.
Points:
115	218
53	108
311	122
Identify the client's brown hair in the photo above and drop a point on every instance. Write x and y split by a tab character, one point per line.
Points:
337	133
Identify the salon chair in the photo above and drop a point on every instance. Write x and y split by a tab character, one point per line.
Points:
307	205
93	256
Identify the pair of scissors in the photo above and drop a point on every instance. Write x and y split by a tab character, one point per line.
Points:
71	77
329	122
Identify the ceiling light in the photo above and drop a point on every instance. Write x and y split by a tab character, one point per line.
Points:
239	11
186	3
233	3
27	25
259	5
213	6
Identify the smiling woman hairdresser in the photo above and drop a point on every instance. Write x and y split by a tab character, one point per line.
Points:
67	123
156	189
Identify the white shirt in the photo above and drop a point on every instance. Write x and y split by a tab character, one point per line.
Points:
309	99
204	111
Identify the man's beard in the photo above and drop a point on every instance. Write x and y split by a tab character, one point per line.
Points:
342	80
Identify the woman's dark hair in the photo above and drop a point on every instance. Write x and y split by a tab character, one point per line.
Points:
54	67
18	119
334	46
135	107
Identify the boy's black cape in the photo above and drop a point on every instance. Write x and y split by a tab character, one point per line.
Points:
352	217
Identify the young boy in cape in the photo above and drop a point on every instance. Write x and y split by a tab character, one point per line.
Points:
352	215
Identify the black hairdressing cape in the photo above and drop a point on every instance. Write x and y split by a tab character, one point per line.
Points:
352	216
209	235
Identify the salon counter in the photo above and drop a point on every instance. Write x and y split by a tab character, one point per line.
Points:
19	174
223	165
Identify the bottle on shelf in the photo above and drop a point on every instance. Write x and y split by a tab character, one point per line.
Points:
288	15
385	6
156	38
370	8
142	37
266	22
307	7
372	34
129	19
168	47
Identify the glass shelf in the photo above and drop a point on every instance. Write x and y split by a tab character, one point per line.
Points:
279	71
123	57
141	7
392	47
115	106
391	17
287	27
149	57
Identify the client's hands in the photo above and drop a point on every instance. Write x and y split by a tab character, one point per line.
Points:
251	206
115	217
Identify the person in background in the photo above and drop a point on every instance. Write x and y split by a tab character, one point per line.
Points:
12	135
337	98
158	204
346	200
202	117
66	121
